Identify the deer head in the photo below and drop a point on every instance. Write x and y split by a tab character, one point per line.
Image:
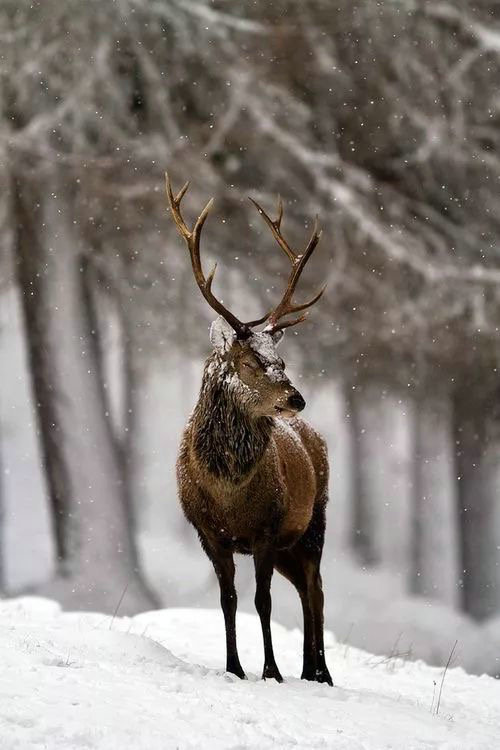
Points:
251	355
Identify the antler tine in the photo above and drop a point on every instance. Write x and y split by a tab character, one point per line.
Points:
182	192
274	226
298	261
192	238
280	212
275	326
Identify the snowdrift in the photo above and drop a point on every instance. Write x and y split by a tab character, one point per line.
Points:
154	681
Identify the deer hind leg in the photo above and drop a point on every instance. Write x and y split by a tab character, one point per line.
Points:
310	547
223	563
301	565
264	566
315	586
291	567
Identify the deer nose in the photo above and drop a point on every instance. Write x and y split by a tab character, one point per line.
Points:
296	401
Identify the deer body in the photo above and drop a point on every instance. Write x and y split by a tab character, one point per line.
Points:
252	476
266	479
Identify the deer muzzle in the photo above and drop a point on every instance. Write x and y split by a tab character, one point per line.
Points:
296	402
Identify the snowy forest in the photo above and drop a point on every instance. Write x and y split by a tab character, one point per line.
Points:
383	118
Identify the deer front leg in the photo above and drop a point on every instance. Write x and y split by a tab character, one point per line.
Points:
223	563
264	566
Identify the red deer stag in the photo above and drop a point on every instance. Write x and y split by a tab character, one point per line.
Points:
252	476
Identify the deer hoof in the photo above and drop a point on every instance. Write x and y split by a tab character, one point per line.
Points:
318	675
323	675
236	670
272	673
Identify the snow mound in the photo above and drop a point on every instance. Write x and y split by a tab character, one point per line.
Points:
153	682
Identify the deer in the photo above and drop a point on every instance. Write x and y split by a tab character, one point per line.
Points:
252	476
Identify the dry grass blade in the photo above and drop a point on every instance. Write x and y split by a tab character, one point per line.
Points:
450	657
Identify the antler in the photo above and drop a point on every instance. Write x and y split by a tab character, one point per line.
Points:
192	238
298	261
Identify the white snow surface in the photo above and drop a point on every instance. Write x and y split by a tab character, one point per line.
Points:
155	681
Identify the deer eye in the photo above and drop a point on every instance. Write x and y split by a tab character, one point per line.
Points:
249	366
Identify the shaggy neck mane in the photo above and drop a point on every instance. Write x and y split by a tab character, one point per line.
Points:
226	439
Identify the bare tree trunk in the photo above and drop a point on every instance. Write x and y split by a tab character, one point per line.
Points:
434	560
144	449
143	440
363	514
24	492
126	442
381	484
96	553
478	473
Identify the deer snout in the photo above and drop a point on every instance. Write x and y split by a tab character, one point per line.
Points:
296	402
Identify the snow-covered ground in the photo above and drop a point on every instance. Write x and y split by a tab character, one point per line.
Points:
84	680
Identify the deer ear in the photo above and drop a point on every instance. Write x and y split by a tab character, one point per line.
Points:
222	335
277	336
